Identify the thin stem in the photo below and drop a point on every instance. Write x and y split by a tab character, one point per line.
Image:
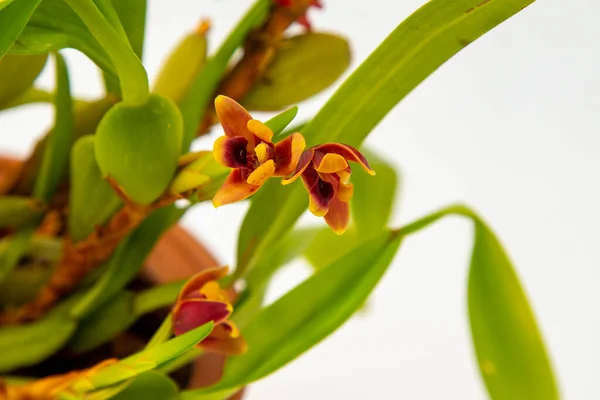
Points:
132	75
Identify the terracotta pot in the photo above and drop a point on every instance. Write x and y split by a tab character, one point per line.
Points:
178	255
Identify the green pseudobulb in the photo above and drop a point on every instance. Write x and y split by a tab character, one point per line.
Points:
139	145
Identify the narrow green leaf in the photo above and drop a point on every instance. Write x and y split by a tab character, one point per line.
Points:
104	324
24	345
18	210
303	66
144	361
510	351
320	305
13	18
92	201
127	260
279	122
4	3
415	49
58	146
157	297
201	92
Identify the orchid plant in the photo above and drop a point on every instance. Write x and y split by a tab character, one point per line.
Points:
80	215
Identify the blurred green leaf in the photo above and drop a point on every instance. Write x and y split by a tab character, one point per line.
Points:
31	95
18	210
4	3
150	385
129	17
92	201
119	313
416	48
17	73
201	92
143	361
13	18
24	345
127	260
14	249
54	26
320	305
58	146
327	246
303	66
104	324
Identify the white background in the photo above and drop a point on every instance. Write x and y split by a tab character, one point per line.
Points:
509	126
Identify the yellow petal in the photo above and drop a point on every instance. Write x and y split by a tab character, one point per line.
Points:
262	152
260	130
332	163
262	173
345	191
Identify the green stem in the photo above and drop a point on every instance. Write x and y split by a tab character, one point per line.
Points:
132	75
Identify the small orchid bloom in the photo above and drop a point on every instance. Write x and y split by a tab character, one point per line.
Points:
247	147
202	300
303	20
325	173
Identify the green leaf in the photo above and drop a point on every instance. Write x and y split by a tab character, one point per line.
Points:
104	324
12	252
510	351
303	66
320	305
150	385
18	210
92	201
17	74
24	345
4	3
127	260
119	313
143	361
279	122
58	145
414	50
13	18
201	92
374	196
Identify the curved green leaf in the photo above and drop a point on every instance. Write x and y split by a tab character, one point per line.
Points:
320	305
18	210
13	18
24	345
416	48
150	385
143	361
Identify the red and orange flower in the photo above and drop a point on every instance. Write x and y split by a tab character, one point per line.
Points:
303	20
247	147
325	173
202	300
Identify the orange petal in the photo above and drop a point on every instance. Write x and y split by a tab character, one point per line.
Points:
221	341
303	163
260	130
331	163
346	151
234	118
234	189
192	313
231	151
338	216
320	192
287	154
195	283
261	174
